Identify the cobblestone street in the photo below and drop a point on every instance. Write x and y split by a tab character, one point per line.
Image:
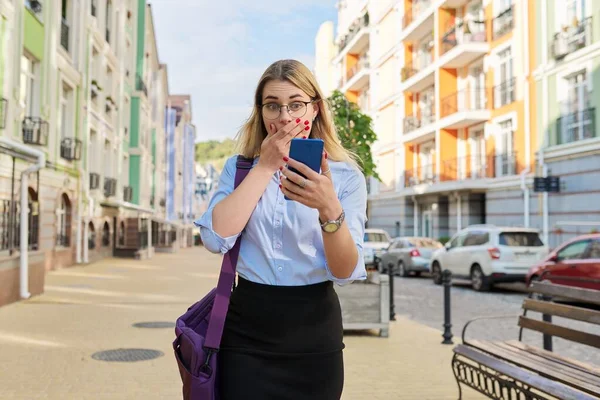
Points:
422	301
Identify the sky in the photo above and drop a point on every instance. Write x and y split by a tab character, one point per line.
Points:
217	50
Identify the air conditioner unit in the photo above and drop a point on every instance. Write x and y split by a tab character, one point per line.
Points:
560	46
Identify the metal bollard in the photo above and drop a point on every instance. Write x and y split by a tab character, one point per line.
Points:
446	281
392	307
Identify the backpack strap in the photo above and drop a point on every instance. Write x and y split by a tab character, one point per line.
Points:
227	276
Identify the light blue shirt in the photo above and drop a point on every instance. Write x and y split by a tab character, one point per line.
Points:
282	244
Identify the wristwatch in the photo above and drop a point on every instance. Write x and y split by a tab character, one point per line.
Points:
333	225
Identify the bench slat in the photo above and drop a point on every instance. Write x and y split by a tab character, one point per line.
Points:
589	368
546	368
566	333
560	310
534	380
567	292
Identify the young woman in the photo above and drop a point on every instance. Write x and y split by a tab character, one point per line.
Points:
283	335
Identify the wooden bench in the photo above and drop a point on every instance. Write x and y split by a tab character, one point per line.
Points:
515	370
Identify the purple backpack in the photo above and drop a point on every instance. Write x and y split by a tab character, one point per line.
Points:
199	330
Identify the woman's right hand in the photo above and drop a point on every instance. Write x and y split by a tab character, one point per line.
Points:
277	144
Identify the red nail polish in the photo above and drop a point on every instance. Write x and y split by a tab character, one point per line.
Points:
298	120
307	128
285	159
306	122
325	155
281	168
303	137
280	186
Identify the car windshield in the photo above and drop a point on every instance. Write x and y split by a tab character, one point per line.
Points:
375	237
520	239
425	243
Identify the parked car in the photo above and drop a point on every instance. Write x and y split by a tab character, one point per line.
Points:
489	254
575	261
369	257
409	254
378	240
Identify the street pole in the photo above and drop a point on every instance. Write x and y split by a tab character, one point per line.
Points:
392	307
446	280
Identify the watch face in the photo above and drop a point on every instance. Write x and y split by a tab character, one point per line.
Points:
330	228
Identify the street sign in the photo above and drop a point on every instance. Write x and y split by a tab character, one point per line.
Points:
547	184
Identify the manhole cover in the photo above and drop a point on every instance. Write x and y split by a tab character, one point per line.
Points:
155	324
127	355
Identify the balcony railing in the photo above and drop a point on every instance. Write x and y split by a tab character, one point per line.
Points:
141	85
356	27
503	23
408	72
576	126
464	100
572	38
414	122
94	180
64	34
70	149
127	193
463	32
504	93
35	131
361	64
413	12
110	187
3	111
468	167
422	174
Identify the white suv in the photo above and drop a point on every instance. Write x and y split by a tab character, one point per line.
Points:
488	254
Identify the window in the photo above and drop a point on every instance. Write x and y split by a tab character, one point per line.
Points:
594	250
576	119
91	236
573	251
108	20
375	237
505	159
36	7
424	52
64	222
426	157
64	25
93	152
505	91
520	239
425	243
29	87
66	111
476	239
458	240
107	160
478	164
426	106
105	235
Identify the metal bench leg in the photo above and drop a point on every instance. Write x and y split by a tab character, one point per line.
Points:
456	376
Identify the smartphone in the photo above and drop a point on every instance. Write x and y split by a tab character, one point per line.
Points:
307	151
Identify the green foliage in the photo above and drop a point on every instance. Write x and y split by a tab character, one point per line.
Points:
215	152
444	239
355	130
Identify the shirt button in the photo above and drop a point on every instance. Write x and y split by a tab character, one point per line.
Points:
277	246
276	223
279	269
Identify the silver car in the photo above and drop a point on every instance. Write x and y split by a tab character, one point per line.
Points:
409	254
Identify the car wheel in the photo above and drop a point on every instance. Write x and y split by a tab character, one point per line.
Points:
402	271
479	281
436	273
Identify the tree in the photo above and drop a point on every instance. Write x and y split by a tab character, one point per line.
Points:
355	130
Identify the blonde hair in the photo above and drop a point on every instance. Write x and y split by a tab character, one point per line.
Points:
253	132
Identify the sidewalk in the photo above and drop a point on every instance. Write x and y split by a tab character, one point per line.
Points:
47	342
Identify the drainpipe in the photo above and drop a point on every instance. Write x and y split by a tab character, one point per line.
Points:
458	198
79	220
525	190
24	241
415	216
545	100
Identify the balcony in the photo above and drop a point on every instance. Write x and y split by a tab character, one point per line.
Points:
357	37
70	149
463	43
425	174
94	180
572	38
469	167
110	187
575	126
464	108
357	76
3	111
127	193
417	20
35	131
64	34
417	75
503	23
141	85
415	126
504	93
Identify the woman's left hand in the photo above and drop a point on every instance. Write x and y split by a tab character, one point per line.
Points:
316	191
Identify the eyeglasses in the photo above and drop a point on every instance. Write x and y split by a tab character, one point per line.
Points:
296	109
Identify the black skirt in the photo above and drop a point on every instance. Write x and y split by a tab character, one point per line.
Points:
282	342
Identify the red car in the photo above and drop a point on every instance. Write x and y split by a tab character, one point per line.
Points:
577	260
